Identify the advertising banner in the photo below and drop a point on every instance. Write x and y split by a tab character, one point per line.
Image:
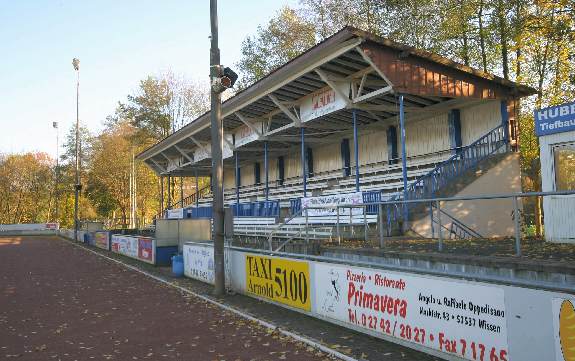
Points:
564	327
52	226
128	246
206	151
556	119
280	280
174	164
176	213
199	262
245	134
332	201
323	101
101	240
146	249
458	318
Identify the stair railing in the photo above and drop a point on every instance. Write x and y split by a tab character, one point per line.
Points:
189	200
464	159
457	228
446	171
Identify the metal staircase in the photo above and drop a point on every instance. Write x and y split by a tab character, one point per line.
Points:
445	173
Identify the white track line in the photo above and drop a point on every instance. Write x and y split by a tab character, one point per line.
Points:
240	313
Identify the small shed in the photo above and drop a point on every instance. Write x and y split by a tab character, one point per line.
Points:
555	127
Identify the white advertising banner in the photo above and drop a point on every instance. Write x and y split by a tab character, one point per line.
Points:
245	134
206	151
176	213
227	150
125	245
323	101
202	153
332	201
199	262
463	319
174	164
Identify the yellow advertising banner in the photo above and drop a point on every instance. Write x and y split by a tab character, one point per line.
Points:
279	280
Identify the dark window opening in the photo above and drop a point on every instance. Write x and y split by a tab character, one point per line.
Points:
345	157
281	170
454	120
392	154
309	158
257	173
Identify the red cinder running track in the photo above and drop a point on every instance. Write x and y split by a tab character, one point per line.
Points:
59	302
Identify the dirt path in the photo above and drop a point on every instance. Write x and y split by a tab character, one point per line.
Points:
58	302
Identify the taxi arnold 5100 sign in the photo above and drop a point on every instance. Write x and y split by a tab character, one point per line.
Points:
279	280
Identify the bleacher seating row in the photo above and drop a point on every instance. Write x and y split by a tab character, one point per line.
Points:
383	177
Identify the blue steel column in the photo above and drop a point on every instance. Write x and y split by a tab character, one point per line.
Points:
197	190
266	169
403	154
237	183
356	149
303	162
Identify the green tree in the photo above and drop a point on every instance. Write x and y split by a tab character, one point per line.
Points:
285	36
26	188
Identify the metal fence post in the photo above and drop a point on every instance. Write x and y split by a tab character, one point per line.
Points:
431	219
440	238
388	220
306	228
364	223
337	224
380	221
351	222
517	230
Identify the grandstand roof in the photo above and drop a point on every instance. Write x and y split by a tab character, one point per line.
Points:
358	69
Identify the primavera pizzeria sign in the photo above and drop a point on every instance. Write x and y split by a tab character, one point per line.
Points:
462	319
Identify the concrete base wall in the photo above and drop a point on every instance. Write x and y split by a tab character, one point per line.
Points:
490	218
518	272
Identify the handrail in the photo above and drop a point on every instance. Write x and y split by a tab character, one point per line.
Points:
468	232
458	163
274	231
464	159
202	192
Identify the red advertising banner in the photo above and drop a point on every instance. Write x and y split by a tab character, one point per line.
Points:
146	249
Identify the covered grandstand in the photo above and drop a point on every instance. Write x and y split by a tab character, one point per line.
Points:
356	116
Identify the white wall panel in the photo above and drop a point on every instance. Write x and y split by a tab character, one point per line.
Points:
293	165
327	157
479	119
372	148
426	136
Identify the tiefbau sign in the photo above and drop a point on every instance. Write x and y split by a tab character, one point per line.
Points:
556	119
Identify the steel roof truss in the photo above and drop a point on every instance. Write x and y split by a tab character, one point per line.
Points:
248	123
184	153
294	118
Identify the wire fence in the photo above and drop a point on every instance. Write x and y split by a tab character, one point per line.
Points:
433	221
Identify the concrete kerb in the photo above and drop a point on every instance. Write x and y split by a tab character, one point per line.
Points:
308	341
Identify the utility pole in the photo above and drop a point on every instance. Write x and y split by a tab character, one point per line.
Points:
217	162
57	173
78	186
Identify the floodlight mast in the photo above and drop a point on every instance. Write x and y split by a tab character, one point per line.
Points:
77	186
57	173
217	161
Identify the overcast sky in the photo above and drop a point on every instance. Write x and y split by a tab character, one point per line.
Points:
118	43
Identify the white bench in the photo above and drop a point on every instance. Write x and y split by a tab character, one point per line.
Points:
332	220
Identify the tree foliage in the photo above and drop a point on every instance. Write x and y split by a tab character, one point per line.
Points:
162	104
26	188
285	36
